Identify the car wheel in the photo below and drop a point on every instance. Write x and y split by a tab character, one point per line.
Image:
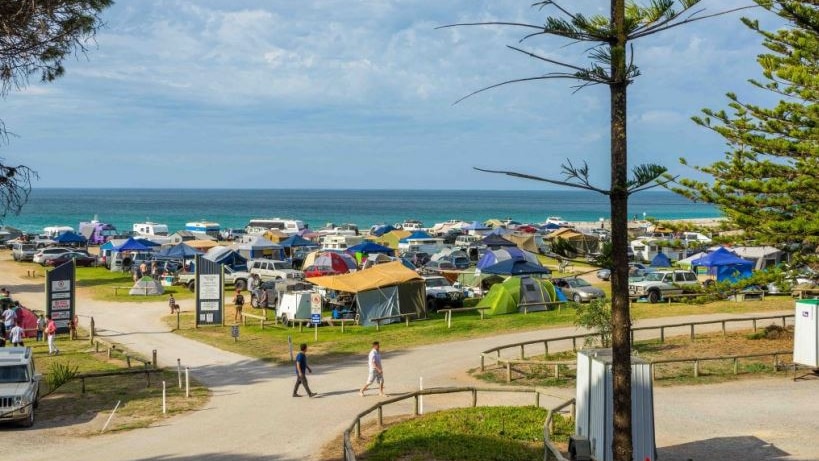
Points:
653	297
192	286
240	284
28	422
576	298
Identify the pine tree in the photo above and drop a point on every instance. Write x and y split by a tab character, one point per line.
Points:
768	183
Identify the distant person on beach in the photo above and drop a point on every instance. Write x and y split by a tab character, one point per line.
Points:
238	303
376	373
302	368
51	332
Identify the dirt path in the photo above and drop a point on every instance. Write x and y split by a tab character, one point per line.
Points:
252	416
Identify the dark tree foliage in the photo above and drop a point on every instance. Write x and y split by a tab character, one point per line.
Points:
768	183
35	38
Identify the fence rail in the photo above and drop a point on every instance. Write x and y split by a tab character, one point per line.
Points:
550	451
495	352
355	427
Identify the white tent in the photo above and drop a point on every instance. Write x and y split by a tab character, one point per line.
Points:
146	286
259	247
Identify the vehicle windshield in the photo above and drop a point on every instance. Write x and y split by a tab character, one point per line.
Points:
579	283
282	265
654	277
434	283
14	374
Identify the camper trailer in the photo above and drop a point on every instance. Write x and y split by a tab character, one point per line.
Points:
340	242
425	245
150	229
97	232
211	229
261	225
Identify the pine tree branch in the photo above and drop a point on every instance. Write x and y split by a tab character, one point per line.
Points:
550	181
555	75
551	61
661	27
652	186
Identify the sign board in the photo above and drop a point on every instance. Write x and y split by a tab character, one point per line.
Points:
315	319
234	331
209	300
315	303
60	298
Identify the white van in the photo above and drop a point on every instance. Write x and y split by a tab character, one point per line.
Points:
465	241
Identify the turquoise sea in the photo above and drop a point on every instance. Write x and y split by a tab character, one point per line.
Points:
234	208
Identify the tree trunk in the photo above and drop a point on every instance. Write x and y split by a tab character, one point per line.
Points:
620	315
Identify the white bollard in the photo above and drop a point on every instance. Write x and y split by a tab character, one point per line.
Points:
179	371
187	382
420	397
111	416
164	399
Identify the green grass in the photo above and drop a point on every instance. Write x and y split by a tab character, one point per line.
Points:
480	434
100	282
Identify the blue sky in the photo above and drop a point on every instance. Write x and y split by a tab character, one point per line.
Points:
358	94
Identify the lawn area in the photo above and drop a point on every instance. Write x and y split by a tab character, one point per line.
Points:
99	283
140	406
272	342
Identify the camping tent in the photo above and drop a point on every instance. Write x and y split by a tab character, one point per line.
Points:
448	252
378	231
515	267
132	245
71	238
661	260
507	297
227	257
275	235
415	235
524	241
179	251
381	291
686	263
582	243
146	286
495	241
259	247
338	261
725	265
495	256
297	241
391	238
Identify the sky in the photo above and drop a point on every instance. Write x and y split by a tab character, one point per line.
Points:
359	94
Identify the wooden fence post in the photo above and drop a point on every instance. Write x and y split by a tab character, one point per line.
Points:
483	368
662	334
696	368
546	348
736	365
508	372
93	332
723	328
474	398
692	332
381	416
417	406
522	354
153	358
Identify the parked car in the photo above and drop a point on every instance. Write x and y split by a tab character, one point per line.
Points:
436	267
42	256
80	259
604	274
418	258
441	294
579	290
19	385
23	251
662	283
460	262
269	269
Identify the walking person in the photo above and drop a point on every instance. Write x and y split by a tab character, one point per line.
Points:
238	303
376	373
41	324
302	368
51	332
172	304
16	336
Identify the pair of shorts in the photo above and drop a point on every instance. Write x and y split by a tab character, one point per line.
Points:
375	377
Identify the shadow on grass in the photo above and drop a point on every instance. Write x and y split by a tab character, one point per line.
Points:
455	446
214	457
729	448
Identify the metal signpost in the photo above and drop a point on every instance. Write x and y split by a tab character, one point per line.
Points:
60	299
315	312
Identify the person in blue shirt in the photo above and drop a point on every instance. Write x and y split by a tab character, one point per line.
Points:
302	368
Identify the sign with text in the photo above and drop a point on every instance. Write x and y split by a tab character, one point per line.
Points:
209	300
315	303
60	299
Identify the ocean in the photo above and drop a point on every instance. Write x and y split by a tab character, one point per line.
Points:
234	207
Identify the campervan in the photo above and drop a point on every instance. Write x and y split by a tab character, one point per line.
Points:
262	225
211	229
150	229
97	232
412	225
340	242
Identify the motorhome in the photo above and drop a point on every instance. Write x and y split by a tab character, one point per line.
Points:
412	225
340	242
425	245
150	229
56	231
97	232
211	229
261	225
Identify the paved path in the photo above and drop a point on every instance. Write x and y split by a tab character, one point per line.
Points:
252	416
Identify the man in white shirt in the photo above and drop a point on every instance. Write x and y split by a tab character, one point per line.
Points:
16	335
376	373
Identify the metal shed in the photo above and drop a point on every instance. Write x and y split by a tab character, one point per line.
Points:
806	333
595	419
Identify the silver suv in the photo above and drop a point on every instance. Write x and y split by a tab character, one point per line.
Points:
19	385
658	284
268	269
23	251
441	293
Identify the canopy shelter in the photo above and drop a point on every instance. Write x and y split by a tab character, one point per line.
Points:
391	238
515	293
132	245
725	265
201	244
297	241
259	247
582	243
661	260
381	291
378	231
179	251
227	257
524	241
275	235
495	241
367	247
71	239
337	261
495	256
516	267
415	235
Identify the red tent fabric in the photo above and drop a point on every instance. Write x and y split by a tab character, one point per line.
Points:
28	320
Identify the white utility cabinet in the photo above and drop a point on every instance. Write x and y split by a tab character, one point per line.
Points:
595	415
806	333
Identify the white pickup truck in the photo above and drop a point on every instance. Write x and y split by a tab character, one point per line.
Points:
659	284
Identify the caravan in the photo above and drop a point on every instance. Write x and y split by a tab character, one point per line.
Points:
262	225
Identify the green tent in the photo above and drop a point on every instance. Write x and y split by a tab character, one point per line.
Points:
505	298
